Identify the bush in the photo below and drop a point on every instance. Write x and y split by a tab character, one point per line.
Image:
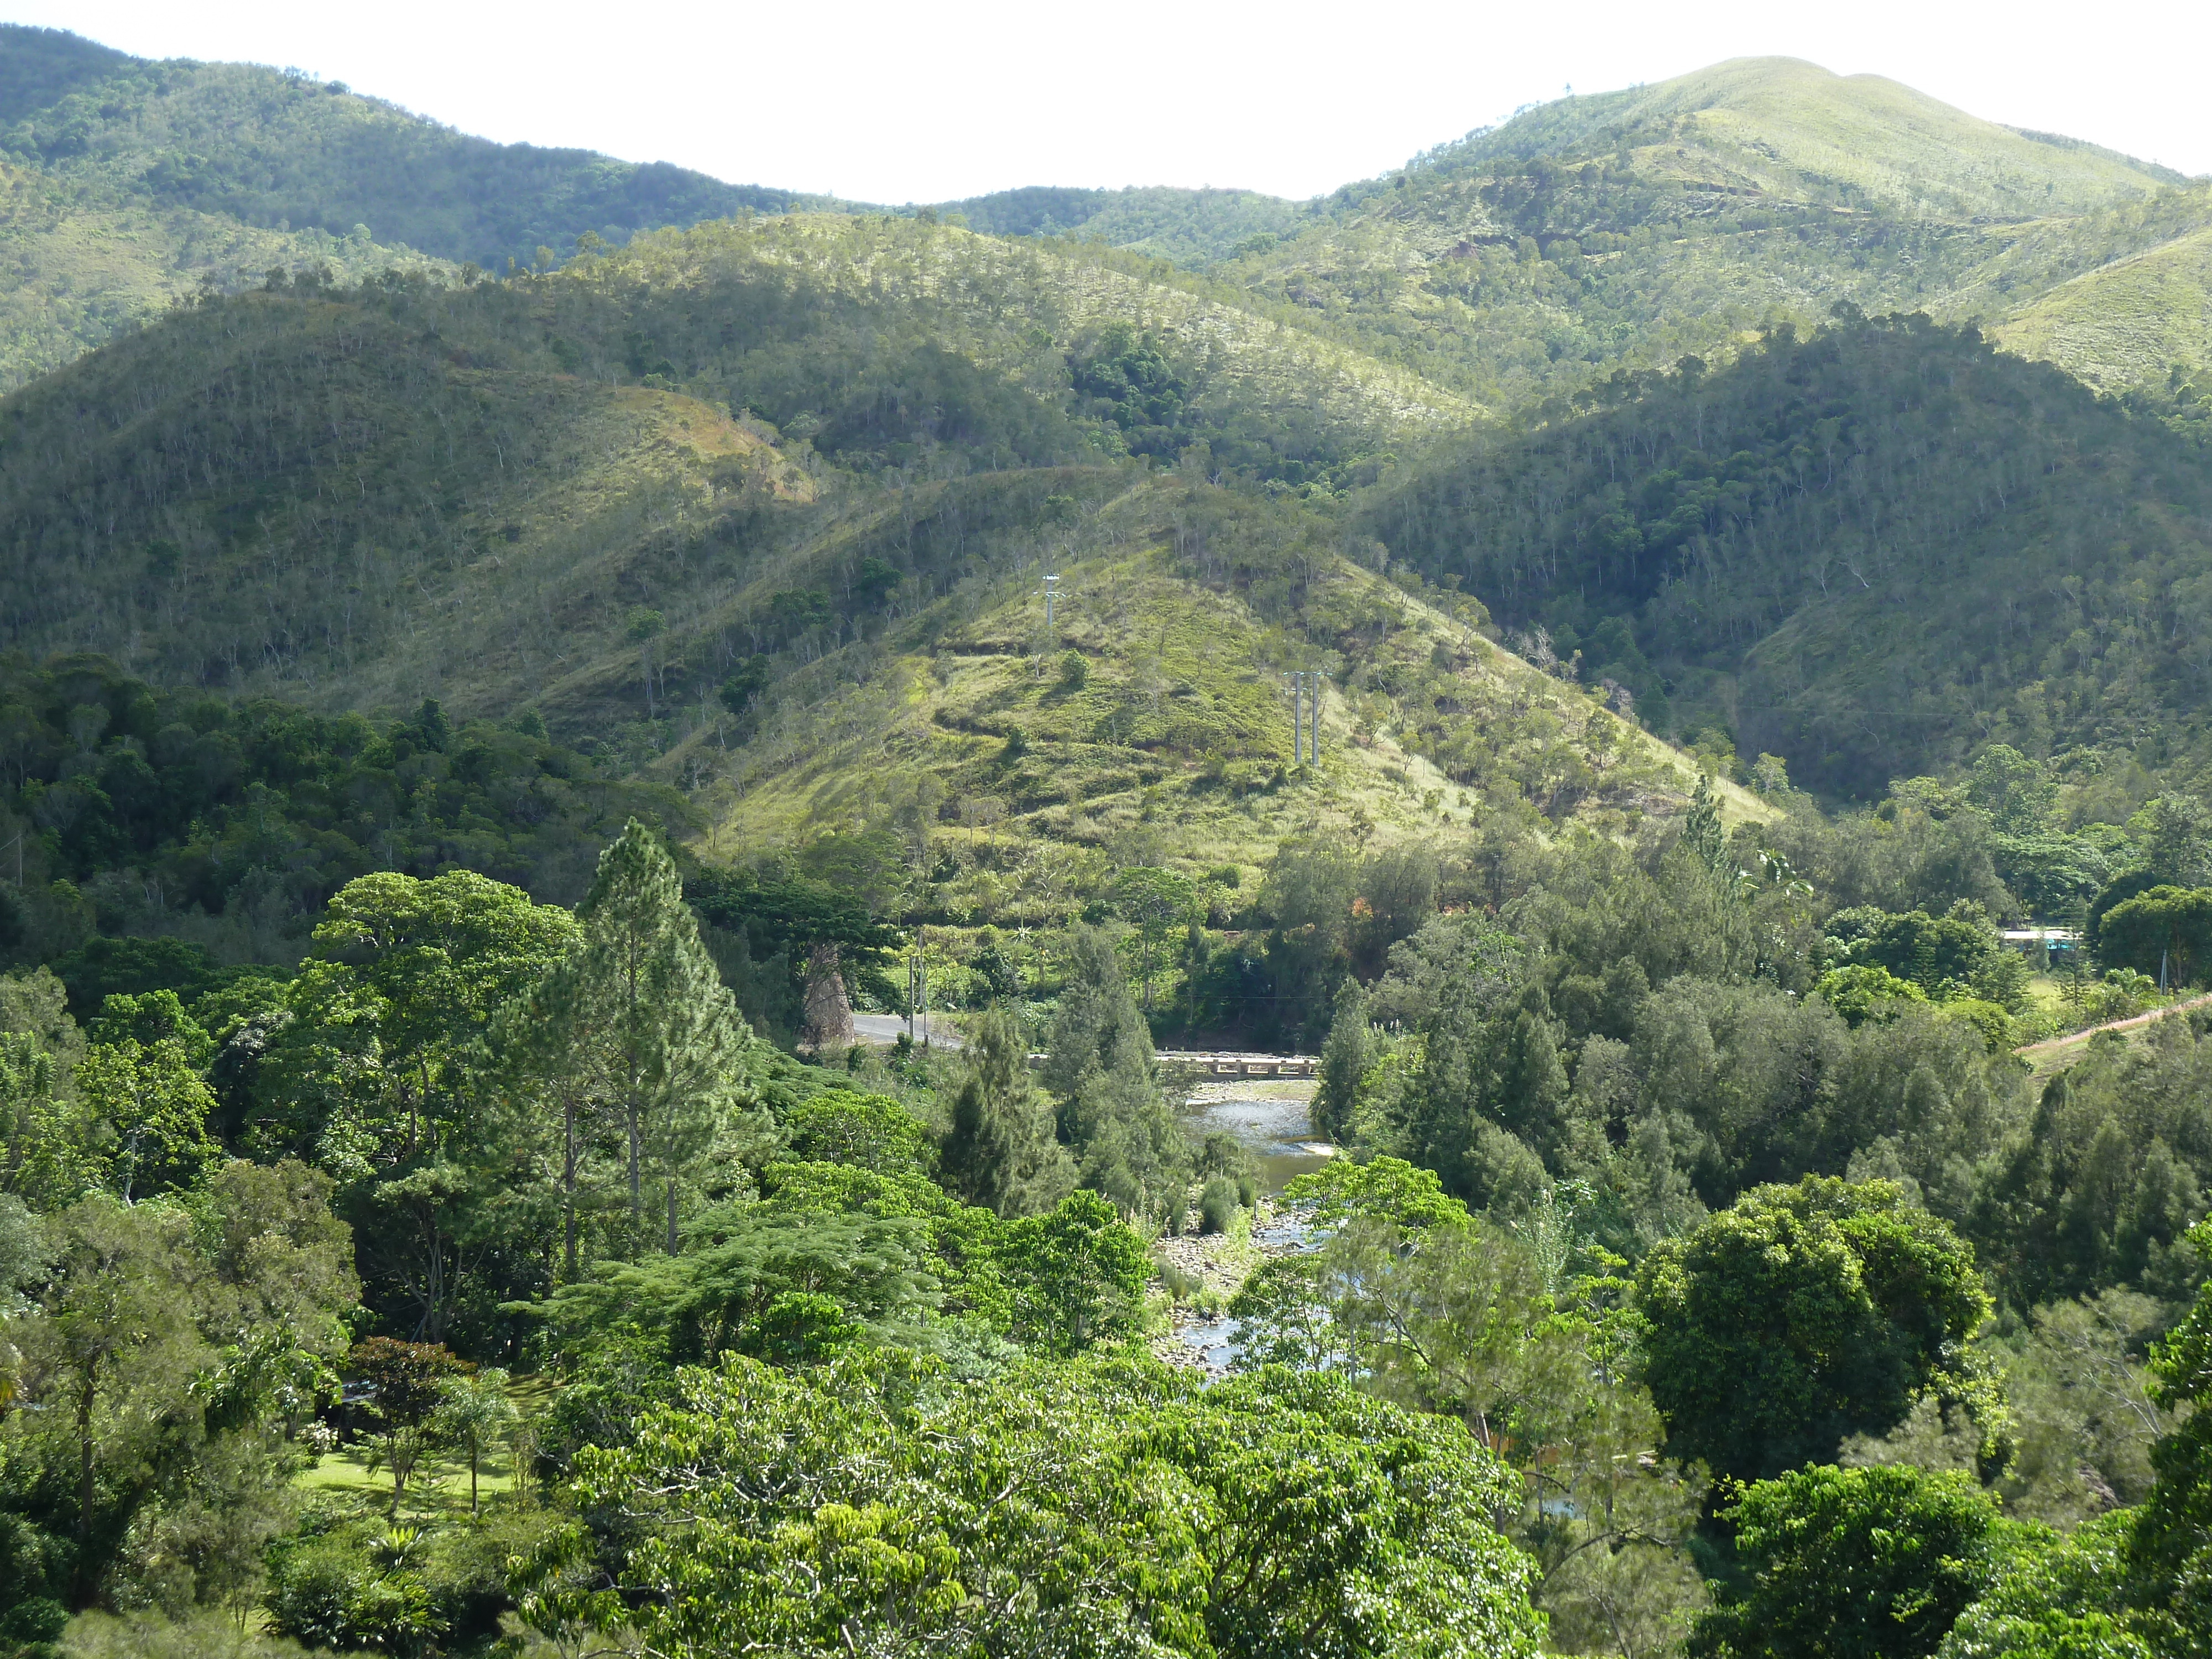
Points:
1216	1204
329	1594
1991	1021
30	1626
1864	991
869	1132
1803	1315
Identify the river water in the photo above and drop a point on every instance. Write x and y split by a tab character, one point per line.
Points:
1277	1130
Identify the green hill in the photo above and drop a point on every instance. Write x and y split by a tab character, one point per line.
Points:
2130	323
275	149
1629	229
463	491
126	185
1195	229
1781	129
1633	227
604	490
1151	721
1870	550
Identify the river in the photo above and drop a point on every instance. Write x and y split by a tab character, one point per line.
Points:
1273	1121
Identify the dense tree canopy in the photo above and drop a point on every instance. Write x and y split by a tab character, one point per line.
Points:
1801	1315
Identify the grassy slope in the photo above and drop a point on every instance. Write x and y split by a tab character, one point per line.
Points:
2126	324
1178	735
1791	129
1703	208
983	284
1195	229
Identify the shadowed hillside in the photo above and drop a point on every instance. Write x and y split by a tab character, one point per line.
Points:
1868	550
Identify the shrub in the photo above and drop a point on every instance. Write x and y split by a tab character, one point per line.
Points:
1179	1284
1216	1204
330	1594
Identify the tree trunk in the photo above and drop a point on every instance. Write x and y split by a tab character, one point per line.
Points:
84	1403
568	1183
671	1215
829	1011
472	1478
636	1181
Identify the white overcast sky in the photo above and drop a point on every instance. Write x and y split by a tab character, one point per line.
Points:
922	102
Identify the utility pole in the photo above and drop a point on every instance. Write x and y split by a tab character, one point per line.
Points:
1305	716
1051	587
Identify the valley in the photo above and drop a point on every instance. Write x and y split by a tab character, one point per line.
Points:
1660	644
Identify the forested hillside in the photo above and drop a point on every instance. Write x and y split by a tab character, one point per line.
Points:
129	183
465	490
1872	549
1516	263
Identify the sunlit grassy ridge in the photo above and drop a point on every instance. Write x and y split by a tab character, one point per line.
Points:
990	299
1193	227
1635	226
1154	715
2130	323
1785	128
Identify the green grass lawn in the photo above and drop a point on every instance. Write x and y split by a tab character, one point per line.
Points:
439	1488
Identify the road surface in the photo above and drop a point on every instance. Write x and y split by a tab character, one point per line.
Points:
887	1029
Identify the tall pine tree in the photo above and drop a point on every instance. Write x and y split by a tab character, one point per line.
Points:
647	1026
1000	1151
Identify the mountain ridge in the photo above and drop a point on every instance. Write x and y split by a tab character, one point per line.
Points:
1752	191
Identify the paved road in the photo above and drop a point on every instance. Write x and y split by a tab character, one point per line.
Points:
887	1029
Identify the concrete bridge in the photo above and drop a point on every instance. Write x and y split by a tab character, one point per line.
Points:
1224	1065
886	1029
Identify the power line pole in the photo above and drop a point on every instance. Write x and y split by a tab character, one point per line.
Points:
1305	716
1051	587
